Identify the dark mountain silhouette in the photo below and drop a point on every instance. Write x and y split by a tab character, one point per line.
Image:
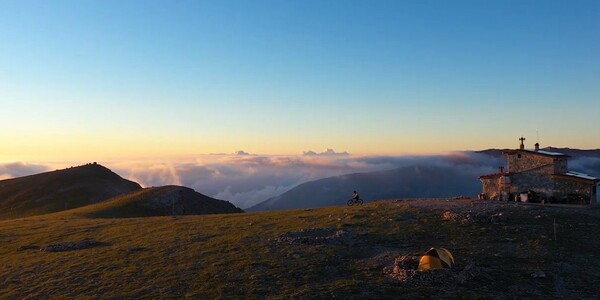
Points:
575	153
156	201
60	190
492	152
406	182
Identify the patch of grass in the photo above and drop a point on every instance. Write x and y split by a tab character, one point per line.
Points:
241	255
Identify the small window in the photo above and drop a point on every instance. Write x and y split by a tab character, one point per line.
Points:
518	155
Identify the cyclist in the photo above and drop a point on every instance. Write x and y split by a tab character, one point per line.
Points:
355	196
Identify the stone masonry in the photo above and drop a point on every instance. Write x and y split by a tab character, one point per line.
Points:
543	176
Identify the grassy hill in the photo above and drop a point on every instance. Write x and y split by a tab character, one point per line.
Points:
60	190
155	201
502	250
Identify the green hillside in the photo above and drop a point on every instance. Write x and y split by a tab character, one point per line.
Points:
60	190
155	201
502	250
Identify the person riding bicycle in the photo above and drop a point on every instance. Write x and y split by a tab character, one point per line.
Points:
355	199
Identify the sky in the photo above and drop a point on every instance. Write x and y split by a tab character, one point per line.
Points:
121	81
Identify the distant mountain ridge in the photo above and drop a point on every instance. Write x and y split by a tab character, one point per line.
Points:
408	182
575	152
568	151
60	190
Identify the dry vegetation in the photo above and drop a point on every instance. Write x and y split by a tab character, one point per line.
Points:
502	251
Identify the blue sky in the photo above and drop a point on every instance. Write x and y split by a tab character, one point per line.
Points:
166	78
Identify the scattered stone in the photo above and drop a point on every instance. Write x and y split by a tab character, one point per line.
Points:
70	246
315	236
497	218
28	247
455	217
539	274
404	270
469	217
296	256
472	271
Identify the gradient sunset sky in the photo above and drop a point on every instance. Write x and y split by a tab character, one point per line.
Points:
122	79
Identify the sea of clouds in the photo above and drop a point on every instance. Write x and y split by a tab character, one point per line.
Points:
246	179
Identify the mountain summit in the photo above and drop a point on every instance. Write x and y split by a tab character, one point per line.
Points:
60	190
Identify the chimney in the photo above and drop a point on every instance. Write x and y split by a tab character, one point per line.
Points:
537	146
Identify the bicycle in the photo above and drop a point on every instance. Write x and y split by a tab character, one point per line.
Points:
355	201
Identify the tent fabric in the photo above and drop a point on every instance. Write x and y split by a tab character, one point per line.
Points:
436	258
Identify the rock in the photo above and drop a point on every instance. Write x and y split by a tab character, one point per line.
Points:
539	274
472	271
404	270
313	236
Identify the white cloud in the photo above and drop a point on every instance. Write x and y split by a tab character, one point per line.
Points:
18	169
328	152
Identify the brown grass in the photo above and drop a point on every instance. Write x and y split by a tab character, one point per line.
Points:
244	256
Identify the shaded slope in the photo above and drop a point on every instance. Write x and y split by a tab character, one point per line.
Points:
405	182
60	190
156	201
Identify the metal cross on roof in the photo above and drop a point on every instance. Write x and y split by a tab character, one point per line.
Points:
522	144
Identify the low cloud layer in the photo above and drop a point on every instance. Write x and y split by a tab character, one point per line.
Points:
246	180
18	169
